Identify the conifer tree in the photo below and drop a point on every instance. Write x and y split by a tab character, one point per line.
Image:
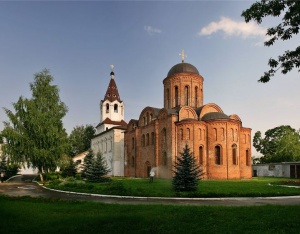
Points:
70	169
186	172
95	167
99	169
87	164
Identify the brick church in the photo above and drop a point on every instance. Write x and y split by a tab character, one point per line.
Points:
219	142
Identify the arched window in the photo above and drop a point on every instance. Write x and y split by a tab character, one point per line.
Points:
151	117
107	108
186	95
147	139
196	96
143	140
152	138
223	134
176	95
181	134
148	118
144	121
165	159
218	155
234	156
201	155
168	98
132	142
247	158
116	108
164	135
188	132
215	134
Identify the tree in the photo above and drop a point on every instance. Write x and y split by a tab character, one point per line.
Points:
95	167
280	144
290	9
186	173
35	133
80	139
70	169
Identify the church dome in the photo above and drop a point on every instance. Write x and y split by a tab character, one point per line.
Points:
183	68
214	115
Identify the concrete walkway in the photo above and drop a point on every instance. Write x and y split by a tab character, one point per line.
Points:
31	189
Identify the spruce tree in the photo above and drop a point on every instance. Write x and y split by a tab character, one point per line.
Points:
95	167
186	172
87	164
99	169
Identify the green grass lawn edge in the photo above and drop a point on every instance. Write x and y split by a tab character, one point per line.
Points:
257	187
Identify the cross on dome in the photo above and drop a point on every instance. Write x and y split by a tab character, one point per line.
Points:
183	55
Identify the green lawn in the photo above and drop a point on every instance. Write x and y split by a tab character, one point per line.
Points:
31	215
163	187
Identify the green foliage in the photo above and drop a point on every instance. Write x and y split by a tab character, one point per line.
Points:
186	172
9	169
69	170
80	139
284	31
280	144
35	133
95	168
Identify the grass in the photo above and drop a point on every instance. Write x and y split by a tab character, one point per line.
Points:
32	215
163	187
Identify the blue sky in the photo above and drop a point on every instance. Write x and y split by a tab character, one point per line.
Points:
78	41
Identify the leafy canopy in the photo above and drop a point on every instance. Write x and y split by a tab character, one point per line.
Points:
290	12
80	139
34	132
280	144
186	172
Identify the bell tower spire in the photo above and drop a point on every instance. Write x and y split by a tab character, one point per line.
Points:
111	107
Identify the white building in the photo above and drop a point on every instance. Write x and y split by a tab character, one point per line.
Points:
109	137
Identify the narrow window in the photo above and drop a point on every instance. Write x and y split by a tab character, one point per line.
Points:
132	161
232	134
143	140
165	159
132	142
152	138
218	155
168	98
164	135
147	139
144	121
201	155
234	158
151	117
186	94
176	96
196	96
215	134
188	132
247	158
200	134
107	108
116	108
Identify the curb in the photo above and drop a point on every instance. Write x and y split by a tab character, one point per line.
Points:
172	198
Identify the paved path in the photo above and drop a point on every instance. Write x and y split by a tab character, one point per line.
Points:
35	190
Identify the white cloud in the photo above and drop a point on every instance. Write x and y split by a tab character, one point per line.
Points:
150	30
234	28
